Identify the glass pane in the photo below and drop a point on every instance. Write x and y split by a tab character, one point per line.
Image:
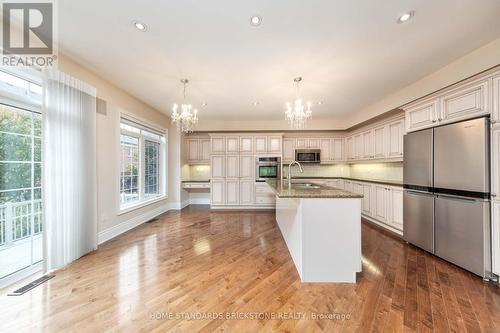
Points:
152	168
14	147
15	175
15	120
129	169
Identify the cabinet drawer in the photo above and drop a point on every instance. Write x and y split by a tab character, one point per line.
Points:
265	199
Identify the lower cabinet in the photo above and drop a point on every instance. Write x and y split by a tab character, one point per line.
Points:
246	192
217	192
264	196
396	210
232	192
495	237
381	203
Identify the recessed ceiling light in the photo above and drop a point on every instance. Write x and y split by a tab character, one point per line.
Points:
320	102
255	103
255	20
204	104
406	16
140	26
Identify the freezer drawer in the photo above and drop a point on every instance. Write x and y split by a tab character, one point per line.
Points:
463	233
461	153
417	162
418	219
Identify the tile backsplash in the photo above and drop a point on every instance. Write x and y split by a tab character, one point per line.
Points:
375	171
196	172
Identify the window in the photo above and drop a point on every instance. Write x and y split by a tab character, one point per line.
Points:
142	164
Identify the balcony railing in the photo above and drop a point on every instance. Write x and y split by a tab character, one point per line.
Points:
19	220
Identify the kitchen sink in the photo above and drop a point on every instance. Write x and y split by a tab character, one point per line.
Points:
306	185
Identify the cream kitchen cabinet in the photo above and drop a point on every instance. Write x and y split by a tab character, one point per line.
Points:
495	111
288	150
495	237
274	144
326	149
337	149
232	191
246	192
381	203
307	143
422	115
246	144
380	142
349	146
367	150
217	192
218	166
464	102
198	151
396	208
232	166
218	144
260	144
232	144
247	166
495	164
358	146
264	196
367	190
395	139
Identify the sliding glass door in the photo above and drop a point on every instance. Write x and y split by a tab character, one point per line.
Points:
21	219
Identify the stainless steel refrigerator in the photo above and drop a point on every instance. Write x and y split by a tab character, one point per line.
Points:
447	193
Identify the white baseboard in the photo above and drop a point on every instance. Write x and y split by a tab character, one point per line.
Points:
119	229
199	201
242	207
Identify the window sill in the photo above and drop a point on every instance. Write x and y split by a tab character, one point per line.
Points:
142	204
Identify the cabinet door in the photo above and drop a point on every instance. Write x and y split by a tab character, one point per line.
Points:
379	142
246	144
349	143
247	166
217	196
313	143
204	146
325	150
232	192
380	207
367	145
358	146
246	192
288	150
495	164
495	237
396	204
422	115
357	188
495	113
337	149
192	150
260	144
367	199
232	144
218	145
465	102
302	143
395	139
232	166
274	144
348	185
218	166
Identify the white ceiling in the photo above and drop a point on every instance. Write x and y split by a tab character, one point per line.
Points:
349	53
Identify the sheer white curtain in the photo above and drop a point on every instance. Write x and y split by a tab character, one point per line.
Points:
69	171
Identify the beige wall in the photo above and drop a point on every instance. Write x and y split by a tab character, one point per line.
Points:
107	145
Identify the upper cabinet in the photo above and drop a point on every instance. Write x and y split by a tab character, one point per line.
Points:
260	143
246	144
465	100
232	144
288	150
198	150
395	139
337	149
218	144
274	144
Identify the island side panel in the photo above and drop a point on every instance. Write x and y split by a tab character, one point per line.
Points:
288	215
331	239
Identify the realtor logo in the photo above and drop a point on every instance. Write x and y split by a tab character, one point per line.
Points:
28	29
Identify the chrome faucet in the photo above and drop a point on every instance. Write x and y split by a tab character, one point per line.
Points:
290	171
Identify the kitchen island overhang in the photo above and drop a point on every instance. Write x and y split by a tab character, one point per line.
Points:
322	230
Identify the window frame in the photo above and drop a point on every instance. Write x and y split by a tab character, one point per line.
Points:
142	125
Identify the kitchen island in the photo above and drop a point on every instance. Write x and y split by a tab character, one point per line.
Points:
321	226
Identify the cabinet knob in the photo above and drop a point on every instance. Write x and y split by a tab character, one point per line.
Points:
493	121
493	195
434	120
440	119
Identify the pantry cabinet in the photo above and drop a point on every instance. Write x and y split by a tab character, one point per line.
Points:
232	191
218	168
495	237
232	166
218	144
247	166
246	144
217	192
246	192
232	144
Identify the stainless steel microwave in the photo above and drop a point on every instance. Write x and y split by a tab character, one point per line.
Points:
308	155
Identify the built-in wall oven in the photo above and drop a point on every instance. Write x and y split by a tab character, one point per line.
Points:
267	168
308	155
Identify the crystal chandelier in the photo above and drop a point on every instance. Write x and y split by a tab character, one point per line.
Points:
298	114
187	118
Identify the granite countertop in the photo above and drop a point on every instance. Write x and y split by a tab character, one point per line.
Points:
282	190
383	182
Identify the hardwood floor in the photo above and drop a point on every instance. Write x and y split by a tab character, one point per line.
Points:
203	263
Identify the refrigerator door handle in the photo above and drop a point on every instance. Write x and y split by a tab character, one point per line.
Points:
460	198
417	192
